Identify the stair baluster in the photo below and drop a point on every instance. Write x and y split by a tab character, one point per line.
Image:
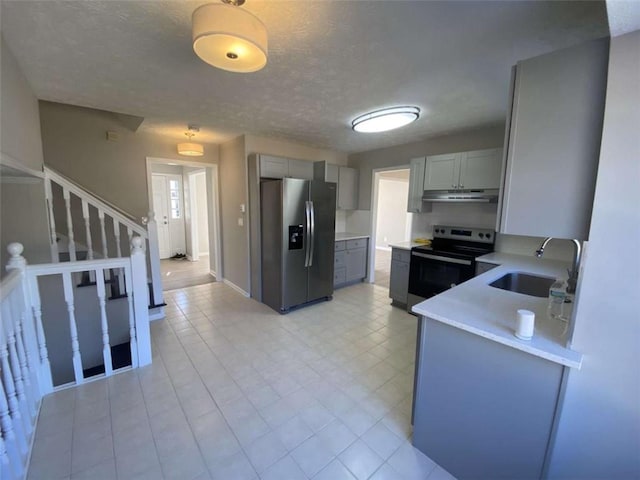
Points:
106	346
75	345
5	467
12	400
72	243
23	360
16	373
116	230
12	443
132	327
44	372
55	256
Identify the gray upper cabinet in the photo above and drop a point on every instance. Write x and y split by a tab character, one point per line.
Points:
301	169
347	188
277	167
416	181
345	177
466	170
553	142
442	172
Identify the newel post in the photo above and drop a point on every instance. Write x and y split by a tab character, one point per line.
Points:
154	259
140	300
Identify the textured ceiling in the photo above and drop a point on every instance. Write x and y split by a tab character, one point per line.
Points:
328	62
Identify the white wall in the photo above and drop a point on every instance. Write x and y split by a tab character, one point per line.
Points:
19	117
598	434
201	217
75	144
392	220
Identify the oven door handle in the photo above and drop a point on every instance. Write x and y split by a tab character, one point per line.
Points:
443	259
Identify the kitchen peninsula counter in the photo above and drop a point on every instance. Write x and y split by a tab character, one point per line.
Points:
490	312
484	400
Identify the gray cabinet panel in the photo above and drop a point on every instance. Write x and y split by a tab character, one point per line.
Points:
301	169
554	142
482	409
399	281
416	185
356	263
348	188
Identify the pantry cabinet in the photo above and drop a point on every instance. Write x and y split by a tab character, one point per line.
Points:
553	133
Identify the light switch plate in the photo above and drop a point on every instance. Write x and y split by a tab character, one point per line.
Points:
240	221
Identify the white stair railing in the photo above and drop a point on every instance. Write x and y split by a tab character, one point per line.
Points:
106	215
25	371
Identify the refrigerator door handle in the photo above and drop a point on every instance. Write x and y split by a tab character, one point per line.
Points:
307	232
313	233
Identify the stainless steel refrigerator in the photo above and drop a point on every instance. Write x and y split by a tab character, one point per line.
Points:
298	220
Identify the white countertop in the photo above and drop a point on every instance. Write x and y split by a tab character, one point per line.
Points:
350	236
405	245
490	312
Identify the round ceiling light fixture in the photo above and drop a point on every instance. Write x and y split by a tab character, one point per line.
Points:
385	119
229	38
189	148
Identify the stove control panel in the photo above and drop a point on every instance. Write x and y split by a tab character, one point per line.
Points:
464	233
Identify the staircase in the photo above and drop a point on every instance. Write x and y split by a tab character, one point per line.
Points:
26	339
85	226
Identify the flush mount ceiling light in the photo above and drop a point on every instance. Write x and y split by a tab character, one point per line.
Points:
385	119
228	37
188	148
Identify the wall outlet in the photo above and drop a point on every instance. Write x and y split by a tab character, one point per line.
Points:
240	221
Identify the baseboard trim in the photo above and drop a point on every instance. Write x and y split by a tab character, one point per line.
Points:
156	314
235	287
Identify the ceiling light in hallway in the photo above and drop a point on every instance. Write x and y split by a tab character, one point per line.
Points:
189	148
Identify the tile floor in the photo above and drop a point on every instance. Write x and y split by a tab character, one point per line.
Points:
239	392
184	273
383	268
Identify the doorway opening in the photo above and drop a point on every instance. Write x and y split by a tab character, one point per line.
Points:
391	223
184	198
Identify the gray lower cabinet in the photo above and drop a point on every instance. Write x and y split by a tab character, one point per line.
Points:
399	277
350	261
482	409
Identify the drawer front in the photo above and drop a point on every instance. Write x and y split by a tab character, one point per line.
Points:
359	243
339	275
401	255
339	246
339	260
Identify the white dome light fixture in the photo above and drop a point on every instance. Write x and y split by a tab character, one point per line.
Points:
228	37
385	119
189	148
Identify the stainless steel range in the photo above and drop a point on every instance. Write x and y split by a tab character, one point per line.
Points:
450	260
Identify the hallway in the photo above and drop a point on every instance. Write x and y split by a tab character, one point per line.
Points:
182	273
238	392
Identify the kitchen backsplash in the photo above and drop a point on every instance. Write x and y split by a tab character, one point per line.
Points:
467	215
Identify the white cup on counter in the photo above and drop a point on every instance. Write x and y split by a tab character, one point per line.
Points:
525	324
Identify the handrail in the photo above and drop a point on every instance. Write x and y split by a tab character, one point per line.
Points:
112	210
77	266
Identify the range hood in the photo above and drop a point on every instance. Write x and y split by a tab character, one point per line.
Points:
461	196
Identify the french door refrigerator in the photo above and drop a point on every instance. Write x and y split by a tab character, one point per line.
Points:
298	234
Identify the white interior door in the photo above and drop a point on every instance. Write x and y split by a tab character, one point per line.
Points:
161	209
176	214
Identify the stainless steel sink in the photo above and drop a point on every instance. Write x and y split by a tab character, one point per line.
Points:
525	283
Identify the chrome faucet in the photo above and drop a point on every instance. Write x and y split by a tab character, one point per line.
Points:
573	273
